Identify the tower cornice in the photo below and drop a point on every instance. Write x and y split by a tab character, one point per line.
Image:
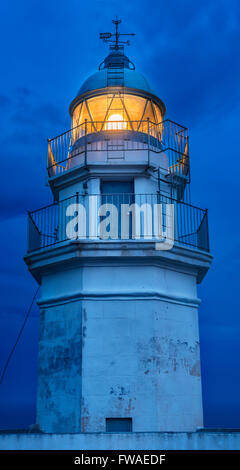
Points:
132	252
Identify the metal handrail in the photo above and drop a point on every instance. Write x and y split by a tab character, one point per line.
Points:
157	137
126	121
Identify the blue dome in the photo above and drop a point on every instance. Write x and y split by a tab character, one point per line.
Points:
132	79
116	71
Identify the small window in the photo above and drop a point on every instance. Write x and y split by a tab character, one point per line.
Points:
118	424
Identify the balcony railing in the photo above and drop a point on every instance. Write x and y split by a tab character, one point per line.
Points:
74	147
80	216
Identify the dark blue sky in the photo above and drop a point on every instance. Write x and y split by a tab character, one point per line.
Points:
190	53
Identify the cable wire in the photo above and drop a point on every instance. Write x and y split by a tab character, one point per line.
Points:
18	337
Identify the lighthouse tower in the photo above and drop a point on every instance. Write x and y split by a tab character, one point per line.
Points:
118	255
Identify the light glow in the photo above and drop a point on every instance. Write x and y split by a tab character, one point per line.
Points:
116	122
107	108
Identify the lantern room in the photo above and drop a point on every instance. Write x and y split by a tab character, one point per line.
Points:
116	97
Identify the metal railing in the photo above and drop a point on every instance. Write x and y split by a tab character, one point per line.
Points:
79	217
72	148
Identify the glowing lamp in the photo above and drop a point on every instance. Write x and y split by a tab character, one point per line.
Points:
115	122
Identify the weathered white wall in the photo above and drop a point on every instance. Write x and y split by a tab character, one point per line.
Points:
204	440
60	368
141	360
119	341
93	185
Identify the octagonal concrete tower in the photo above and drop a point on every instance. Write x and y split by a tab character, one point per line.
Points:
119	342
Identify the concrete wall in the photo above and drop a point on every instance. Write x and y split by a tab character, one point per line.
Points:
135	155
60	368
141	360
119	341
134	441
93	186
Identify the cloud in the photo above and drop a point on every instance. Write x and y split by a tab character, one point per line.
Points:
191	57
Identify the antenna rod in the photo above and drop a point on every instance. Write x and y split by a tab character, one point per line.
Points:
116	22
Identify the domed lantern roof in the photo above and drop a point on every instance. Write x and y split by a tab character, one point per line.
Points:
132	79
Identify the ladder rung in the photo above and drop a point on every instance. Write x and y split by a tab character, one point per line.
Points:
115	75
116	65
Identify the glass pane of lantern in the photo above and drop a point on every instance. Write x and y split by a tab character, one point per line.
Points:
116	107
129	107
157	113
135	107
98	107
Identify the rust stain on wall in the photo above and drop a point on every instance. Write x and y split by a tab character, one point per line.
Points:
195	370
85	417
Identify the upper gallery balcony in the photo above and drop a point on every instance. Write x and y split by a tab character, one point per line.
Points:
162	145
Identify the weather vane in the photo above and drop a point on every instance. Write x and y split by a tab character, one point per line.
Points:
113	38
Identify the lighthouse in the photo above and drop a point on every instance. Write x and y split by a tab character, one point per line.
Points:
118	255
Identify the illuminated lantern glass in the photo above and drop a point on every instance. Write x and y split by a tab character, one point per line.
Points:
115	122
127	111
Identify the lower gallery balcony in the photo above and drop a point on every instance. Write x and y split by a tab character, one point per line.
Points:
119	217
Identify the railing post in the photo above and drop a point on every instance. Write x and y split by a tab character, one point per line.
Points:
159	180
85	157
34	235
207	232
148	140
77	202
28	231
